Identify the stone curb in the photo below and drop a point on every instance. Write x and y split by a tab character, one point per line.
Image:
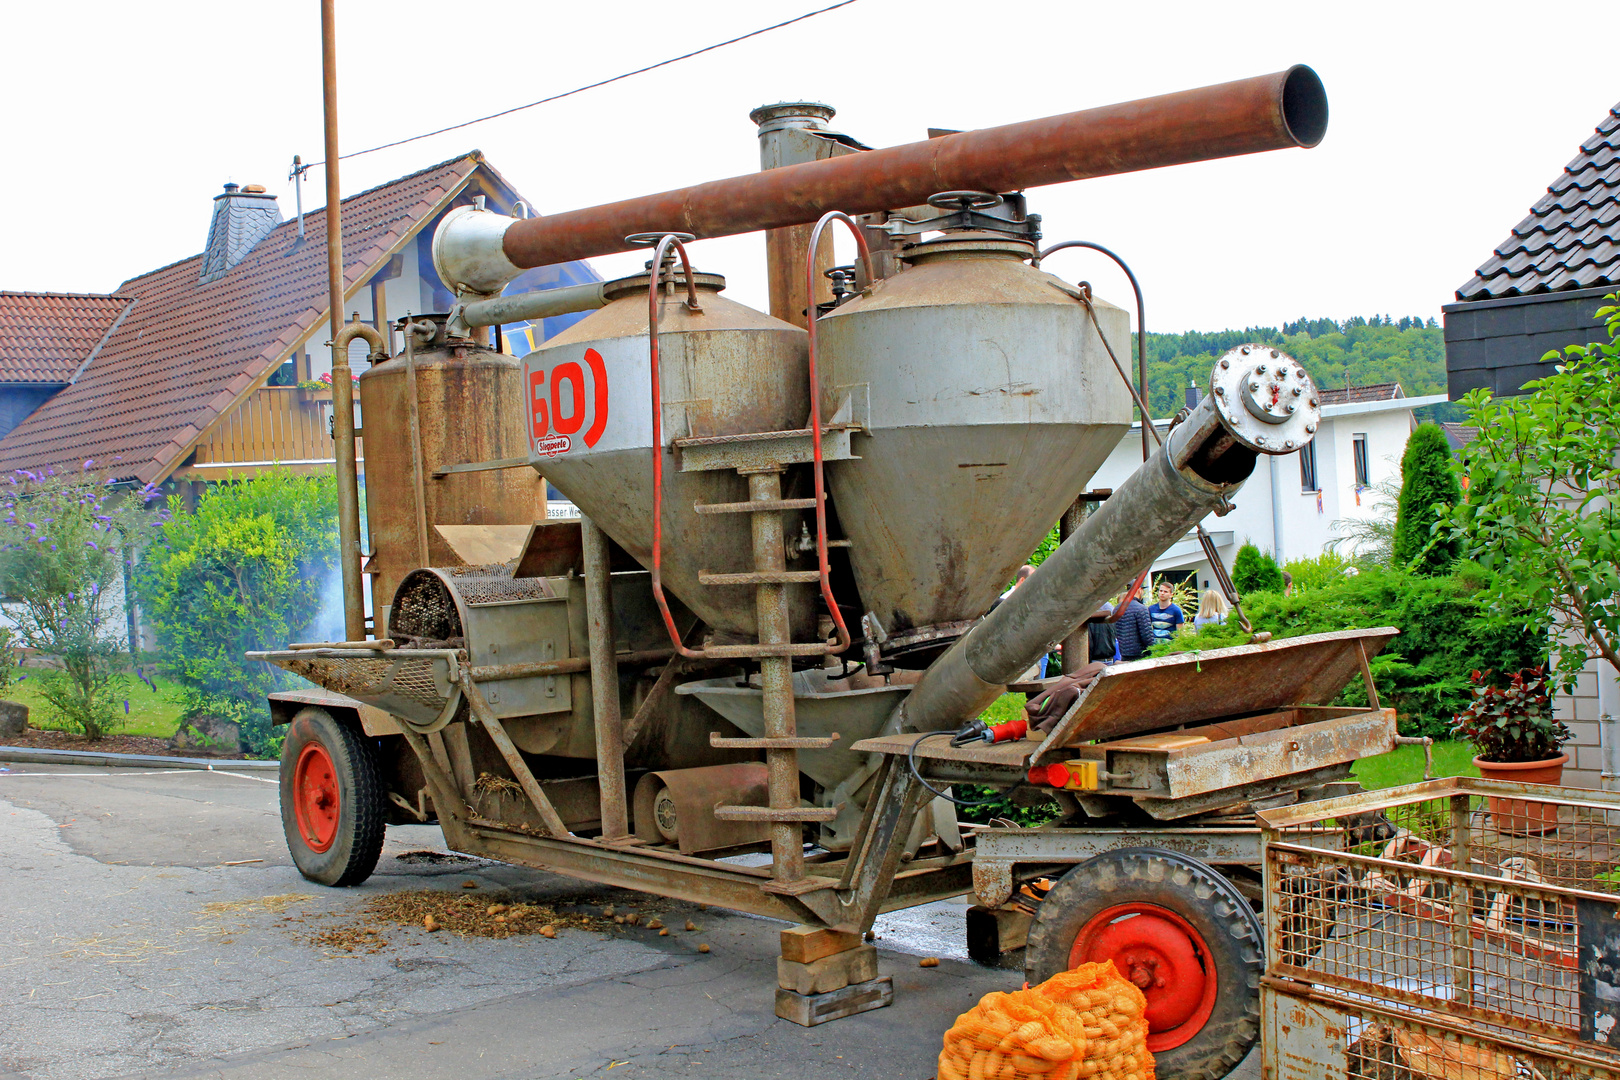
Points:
34	756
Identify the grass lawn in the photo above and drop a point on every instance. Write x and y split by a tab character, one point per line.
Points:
1404	765
150	713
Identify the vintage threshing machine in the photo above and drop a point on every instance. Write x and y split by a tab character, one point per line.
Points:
795	523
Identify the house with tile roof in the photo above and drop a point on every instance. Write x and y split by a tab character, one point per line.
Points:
1296	506
46	341
191	372
1539	288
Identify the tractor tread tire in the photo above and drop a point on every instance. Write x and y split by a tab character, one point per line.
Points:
363	813
1199	895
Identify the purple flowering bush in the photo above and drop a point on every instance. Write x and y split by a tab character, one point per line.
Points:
64	539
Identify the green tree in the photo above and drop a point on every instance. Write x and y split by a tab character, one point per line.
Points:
1255	571
1429	490
1543	480
63	538
241	573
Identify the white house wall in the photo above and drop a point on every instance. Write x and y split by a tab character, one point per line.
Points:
1306	532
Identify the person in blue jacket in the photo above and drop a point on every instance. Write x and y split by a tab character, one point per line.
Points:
1133	632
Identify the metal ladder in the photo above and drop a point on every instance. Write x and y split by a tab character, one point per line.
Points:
761	457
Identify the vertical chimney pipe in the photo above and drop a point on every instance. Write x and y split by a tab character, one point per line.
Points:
348	481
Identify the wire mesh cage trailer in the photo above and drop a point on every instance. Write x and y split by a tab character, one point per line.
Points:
1459	928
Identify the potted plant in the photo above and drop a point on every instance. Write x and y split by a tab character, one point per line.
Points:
313	390
1518	740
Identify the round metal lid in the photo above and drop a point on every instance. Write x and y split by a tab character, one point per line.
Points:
969	245
629	286
1266	399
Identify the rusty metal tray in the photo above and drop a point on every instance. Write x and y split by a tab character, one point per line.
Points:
1198	687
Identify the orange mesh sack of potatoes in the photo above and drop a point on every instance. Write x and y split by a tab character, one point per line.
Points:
1081	1027
1112	1012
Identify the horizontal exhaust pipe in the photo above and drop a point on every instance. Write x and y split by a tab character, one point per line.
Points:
1269	112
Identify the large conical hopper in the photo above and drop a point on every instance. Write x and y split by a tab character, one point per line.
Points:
992	403
729	370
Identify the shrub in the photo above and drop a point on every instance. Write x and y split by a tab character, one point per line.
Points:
1326	569
1446	632
63	539
241	573
1255	571
1429	490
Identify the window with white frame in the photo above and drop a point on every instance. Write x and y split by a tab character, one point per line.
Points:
1358	447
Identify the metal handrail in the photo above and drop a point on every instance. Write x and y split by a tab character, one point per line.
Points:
814	318
655	283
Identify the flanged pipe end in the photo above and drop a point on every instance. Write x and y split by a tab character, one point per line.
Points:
1266	400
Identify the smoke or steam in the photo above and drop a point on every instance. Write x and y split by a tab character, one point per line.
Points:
328	624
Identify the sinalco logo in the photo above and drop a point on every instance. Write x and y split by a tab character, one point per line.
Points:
556	425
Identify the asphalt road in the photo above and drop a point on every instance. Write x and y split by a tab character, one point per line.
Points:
129	948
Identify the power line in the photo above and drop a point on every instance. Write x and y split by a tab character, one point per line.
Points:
594	85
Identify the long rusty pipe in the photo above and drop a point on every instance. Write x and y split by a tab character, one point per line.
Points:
1268	112
354	611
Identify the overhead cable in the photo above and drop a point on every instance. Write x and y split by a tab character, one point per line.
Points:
594	85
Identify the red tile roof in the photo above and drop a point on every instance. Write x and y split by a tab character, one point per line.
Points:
186	351
1377	392
44	337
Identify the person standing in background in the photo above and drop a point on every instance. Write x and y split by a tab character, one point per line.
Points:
1166	615
1211	609
1133	631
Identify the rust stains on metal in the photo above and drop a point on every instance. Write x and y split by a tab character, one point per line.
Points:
1268	112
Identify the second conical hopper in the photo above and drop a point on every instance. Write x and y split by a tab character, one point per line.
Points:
991	403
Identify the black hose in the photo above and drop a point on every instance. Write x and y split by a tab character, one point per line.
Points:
911	760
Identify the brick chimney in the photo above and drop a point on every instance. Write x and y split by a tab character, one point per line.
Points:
242	217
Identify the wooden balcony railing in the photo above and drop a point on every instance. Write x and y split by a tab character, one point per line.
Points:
276	425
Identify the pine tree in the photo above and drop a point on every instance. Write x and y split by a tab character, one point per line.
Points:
1255	571
1426	483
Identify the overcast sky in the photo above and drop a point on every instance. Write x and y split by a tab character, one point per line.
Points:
1448	121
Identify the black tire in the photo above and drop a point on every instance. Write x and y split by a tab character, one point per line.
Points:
1233	946
332	848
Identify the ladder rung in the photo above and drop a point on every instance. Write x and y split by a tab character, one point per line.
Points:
785	743
761	577
758	506
754	652
766	813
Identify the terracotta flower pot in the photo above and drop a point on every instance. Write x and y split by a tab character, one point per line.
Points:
1518	816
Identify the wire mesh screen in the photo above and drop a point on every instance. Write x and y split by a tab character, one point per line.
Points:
1446	900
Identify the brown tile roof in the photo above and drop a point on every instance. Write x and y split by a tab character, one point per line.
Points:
44	337
186	351
1377	392
1571	240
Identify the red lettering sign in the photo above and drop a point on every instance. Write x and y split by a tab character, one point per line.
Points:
552	426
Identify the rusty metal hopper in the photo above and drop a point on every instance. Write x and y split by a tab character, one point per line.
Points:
1168	691
417	686
991	402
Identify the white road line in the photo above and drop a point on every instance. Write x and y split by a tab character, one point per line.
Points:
159	772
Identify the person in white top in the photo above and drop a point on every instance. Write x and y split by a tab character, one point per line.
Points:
1212	608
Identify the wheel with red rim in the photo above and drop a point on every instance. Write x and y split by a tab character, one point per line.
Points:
1179	931
332	809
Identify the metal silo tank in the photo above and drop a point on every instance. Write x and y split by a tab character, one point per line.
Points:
466	411
991	403
727	370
